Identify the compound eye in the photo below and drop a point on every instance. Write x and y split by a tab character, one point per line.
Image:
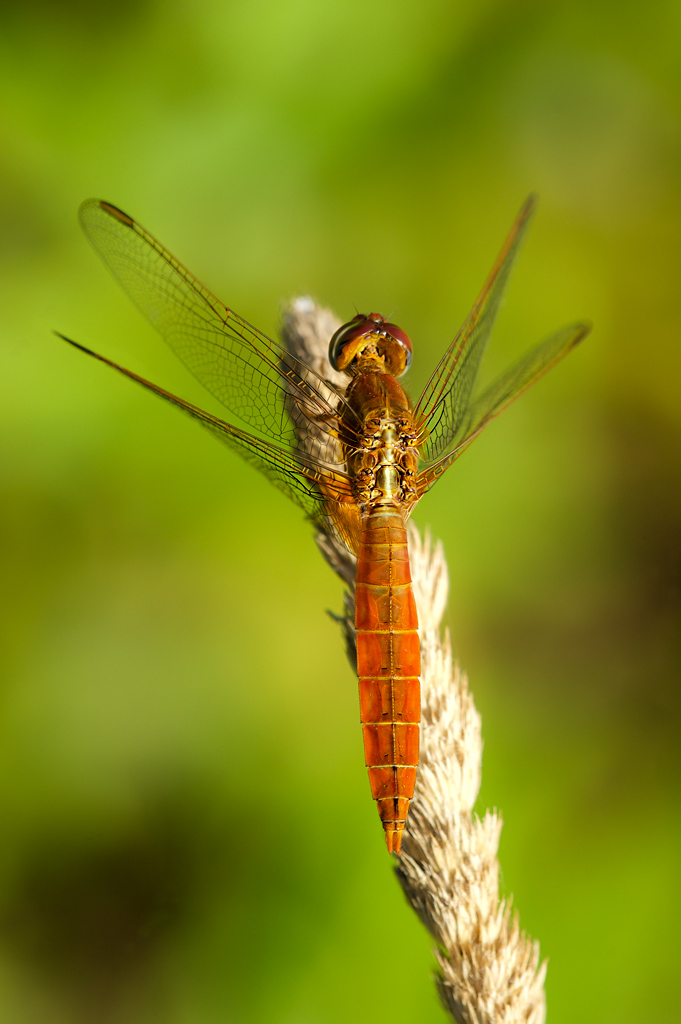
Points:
347	340
397	349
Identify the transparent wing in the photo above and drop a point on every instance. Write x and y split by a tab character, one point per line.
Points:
505	390
249	373
441	408
316	488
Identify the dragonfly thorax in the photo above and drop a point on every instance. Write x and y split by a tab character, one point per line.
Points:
383	471
381	456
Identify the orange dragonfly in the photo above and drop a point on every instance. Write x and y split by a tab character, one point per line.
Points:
356	458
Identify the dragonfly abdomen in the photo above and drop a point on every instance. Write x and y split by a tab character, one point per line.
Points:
388	666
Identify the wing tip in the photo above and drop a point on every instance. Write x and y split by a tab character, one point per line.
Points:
581	328
109	208
528	208
76	344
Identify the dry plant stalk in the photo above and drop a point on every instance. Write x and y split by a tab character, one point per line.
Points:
489	970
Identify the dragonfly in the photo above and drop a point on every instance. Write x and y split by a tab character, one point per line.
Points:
355	456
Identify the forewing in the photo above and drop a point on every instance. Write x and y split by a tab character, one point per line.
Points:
442	406
505	390
315	488
249	373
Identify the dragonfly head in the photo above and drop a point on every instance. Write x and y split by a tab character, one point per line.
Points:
371	335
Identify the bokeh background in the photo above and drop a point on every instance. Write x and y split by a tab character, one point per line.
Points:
175	706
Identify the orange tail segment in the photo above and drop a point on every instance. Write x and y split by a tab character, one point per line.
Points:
388	666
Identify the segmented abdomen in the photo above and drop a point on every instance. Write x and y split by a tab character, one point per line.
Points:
388	666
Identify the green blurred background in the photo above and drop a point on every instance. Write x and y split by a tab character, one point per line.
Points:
176	708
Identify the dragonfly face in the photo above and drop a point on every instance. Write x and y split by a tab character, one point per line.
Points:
371	336
355	458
